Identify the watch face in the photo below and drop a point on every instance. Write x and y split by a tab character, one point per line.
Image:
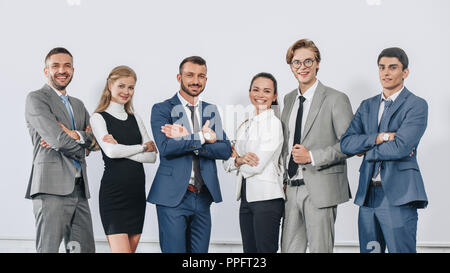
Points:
385	137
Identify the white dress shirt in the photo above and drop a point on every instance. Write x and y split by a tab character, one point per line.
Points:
133	152
393	97
185	104
262	135
308	95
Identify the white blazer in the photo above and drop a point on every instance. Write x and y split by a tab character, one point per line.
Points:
262	135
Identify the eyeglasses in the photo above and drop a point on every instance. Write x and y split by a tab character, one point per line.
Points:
297	64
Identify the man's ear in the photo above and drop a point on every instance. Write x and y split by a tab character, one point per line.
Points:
405	73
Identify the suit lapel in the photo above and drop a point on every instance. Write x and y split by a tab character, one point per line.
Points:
204	117
397	103
290	100
316	103
56	101
178	113
374	108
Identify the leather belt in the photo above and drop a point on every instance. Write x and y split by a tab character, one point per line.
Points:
374	183
297	182
192	188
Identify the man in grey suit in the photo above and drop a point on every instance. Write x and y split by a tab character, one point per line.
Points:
314	117
59	128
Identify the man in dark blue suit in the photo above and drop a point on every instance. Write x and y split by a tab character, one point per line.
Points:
387	129
190	137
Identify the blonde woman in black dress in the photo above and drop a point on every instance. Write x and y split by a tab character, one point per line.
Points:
125	145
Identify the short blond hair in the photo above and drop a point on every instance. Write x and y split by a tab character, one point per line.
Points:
303	43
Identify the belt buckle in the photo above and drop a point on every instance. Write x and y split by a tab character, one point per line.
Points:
192	188
376	183
297	182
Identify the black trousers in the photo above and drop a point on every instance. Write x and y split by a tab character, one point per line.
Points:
260	223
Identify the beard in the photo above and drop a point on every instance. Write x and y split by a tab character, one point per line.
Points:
58	86
189	92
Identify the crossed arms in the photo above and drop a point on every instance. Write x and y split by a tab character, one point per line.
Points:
401	144
175	140
54	134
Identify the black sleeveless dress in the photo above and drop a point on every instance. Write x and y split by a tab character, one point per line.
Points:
122	191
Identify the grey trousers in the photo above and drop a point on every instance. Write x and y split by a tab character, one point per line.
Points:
63	217
304	225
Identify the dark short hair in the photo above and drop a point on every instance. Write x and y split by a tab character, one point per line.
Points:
193	59
267	76
57	50
397	53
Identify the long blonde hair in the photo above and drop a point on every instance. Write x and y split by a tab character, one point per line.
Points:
118	72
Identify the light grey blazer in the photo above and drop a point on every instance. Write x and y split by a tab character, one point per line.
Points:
329	116
53	170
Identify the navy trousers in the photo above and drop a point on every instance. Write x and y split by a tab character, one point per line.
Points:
381	224
186	228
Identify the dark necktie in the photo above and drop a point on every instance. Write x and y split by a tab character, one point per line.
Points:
292	168
198	180
382	127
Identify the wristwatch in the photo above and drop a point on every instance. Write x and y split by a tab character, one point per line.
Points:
385	137
144	147
207	136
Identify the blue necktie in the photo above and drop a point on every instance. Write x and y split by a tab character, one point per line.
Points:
69	110
383	127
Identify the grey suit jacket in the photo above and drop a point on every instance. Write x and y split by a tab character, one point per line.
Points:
329	116
53	170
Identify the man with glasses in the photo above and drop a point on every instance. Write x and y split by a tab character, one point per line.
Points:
314	117
387	129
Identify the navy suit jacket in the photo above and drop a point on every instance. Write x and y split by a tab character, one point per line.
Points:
176	155
400	174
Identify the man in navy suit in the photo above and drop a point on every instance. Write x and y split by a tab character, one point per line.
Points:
189	136
387	129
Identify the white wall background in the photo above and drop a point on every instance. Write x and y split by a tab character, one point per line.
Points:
238	39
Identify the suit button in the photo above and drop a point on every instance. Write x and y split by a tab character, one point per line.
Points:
303	169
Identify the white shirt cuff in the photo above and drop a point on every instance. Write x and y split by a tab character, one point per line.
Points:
81	140
202	138
312	158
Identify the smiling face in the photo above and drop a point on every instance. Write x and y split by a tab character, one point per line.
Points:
391	74
59	70
192	80
262	94
122	90
306	76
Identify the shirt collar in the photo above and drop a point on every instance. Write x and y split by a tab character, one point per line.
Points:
309	93
185	102
58	92
394	96
254	116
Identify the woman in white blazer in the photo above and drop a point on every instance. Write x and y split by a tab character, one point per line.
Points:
255	160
